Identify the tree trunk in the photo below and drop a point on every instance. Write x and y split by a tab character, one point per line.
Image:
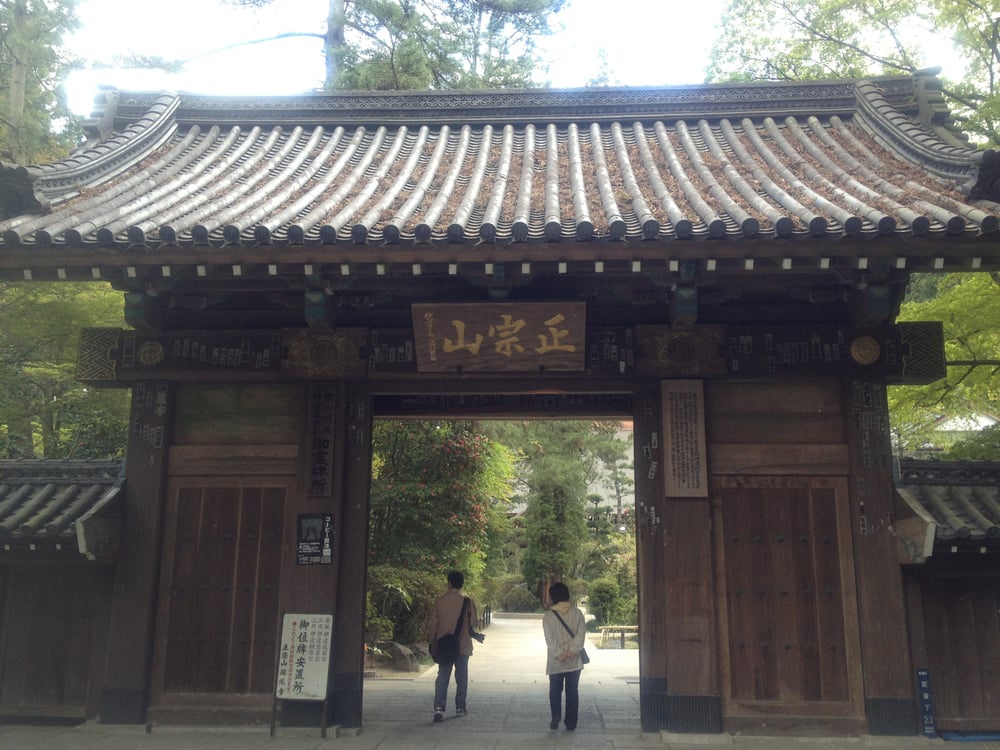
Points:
18	80
334	46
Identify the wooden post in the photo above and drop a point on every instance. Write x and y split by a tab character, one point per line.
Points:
650	553
312	586
888	677
694	703
130	623
349	628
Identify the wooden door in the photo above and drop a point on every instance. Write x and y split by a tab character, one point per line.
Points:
52	621
962	635
787	599
219	600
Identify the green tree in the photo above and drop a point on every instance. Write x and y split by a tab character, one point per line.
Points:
430	44
611	553
604	599
439	496
30	64
44	411
982	446
969	307
560	460
803	39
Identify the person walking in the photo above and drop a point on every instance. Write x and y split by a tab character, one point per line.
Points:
453	613
565	635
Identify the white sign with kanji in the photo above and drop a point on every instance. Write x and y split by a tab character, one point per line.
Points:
304	659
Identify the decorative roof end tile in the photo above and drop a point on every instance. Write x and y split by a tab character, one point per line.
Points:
17	193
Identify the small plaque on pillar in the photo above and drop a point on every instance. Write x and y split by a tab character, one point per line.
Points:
685	456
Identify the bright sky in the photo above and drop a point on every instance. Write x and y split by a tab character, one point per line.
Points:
645	42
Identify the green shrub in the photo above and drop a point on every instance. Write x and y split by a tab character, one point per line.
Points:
628	611
603	600
403	598
495	588
519	599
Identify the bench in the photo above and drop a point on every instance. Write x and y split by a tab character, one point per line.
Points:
621	630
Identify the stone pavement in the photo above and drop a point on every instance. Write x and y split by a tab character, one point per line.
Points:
508	710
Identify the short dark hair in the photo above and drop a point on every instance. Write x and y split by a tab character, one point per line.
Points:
559	592
455	579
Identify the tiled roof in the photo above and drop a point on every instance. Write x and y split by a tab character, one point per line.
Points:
42	502
603	170
962	498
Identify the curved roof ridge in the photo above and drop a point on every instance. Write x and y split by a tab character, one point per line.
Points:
910	138
99	160
518	106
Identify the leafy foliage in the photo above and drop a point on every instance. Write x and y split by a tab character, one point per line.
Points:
982	446
30	64
399	603
560	459
604	600
439	496
803	39
611	553
969	307
431	44
44	411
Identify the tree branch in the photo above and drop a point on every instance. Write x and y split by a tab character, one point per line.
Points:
237	45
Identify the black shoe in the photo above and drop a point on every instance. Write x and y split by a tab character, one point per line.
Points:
461	711
554	724
438	716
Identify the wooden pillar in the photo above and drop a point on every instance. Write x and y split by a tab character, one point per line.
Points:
130	623
349	625
694	700
694	703
313	587
650	553
885	656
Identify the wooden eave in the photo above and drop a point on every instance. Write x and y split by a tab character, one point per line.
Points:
60	510
956	502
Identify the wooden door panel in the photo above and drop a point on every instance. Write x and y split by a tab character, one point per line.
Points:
48	638
784	619
962	622
222	612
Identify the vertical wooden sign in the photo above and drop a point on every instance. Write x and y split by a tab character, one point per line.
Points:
322	414
685	456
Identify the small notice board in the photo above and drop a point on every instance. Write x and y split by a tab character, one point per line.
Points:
303	661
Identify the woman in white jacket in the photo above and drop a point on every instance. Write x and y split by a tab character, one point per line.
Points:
565	641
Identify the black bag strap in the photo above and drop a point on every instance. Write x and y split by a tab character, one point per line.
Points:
461	615
564	624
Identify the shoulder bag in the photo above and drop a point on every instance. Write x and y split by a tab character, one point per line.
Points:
583	651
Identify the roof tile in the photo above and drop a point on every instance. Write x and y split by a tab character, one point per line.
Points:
755	163
41	501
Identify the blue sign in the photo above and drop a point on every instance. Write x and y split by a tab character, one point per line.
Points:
926	699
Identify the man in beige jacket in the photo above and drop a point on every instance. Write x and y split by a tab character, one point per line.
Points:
444	616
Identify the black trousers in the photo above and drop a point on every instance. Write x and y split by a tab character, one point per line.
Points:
570	681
